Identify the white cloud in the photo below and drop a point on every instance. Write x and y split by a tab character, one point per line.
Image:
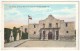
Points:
9	12
60	14
66	17
66	10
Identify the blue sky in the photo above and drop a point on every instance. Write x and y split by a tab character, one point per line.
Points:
17	14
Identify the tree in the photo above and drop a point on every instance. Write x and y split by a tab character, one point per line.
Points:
14	33
7	33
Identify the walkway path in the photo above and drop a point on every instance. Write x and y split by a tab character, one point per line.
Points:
15	43
39	43
49	43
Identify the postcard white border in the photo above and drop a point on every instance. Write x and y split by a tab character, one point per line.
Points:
28	48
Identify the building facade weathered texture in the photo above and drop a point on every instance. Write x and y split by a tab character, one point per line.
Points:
51	29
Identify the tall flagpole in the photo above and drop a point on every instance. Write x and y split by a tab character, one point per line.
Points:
28	26
29	17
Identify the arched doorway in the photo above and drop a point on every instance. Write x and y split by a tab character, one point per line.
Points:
50	35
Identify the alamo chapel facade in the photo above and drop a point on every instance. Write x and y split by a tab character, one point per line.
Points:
50	29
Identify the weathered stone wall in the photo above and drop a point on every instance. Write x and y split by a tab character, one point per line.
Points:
33	31
70	28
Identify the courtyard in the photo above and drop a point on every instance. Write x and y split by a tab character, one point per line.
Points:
48	43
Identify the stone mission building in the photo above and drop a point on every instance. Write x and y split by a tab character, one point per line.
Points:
51	29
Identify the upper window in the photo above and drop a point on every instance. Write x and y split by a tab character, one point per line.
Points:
34	26
34	32
50	25
67	31
57	24
43	25
66	24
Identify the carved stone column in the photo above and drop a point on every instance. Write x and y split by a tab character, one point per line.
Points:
41	35
55	35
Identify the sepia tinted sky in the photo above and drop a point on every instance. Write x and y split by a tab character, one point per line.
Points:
17	14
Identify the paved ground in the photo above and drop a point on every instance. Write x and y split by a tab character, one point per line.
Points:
49	43
39	43
15	43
